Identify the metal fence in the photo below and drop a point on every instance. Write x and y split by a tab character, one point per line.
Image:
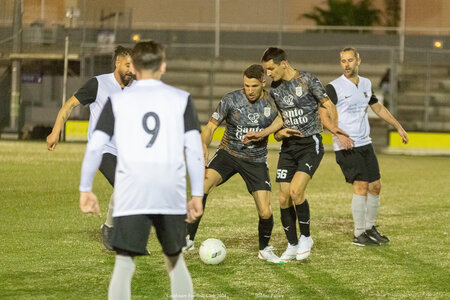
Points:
417	91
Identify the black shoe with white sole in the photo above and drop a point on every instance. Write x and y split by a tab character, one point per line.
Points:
364	240
374	234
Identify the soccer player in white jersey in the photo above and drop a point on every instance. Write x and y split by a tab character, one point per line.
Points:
304	107
352	94
247	109
157	135
94	93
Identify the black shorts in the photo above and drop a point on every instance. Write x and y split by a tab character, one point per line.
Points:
360	163
108	167
130	233
255	175
299	155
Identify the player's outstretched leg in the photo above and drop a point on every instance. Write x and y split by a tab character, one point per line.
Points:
120	285
192	229
180	279
265	227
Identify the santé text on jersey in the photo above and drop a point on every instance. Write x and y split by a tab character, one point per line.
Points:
241	130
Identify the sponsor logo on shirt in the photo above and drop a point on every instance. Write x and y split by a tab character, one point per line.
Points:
253	117
294	117
289	99
241	131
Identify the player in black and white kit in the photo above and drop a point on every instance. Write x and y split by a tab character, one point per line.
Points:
243	110
352	94
157	135
94	93
304	106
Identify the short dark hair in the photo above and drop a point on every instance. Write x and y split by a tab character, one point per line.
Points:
277	54
345	49
255	71
121	51
148	55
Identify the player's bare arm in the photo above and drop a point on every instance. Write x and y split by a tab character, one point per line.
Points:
254	136
194	209
63	115
207	135
328	116
384	114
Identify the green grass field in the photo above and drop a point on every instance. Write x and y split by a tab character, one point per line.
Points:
50	250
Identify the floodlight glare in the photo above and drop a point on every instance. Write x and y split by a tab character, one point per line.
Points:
438	44
136	37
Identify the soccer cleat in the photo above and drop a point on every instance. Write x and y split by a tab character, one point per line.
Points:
107	236
364	240
189	245
374	234
267	254
290	253
304	247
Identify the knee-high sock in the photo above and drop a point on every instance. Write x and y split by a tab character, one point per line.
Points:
302	211
109	218
265	227
193	227
359	213
373	203
180	281
288	218
120	285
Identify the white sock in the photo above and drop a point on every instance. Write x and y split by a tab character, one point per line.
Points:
109	218
120	285
180	281
359	213
373	203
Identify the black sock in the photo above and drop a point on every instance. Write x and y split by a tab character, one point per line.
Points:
265	227
303	218
290	228
192	227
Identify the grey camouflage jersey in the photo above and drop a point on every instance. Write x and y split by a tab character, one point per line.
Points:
298	101
241	116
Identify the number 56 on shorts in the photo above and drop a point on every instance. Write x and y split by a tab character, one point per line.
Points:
281	173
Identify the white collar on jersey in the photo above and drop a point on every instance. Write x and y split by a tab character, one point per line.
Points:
148	82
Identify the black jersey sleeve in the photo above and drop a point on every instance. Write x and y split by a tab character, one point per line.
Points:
106	120
373	99
331	92
88	92
190	117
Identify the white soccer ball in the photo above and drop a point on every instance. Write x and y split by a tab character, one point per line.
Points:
212	251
